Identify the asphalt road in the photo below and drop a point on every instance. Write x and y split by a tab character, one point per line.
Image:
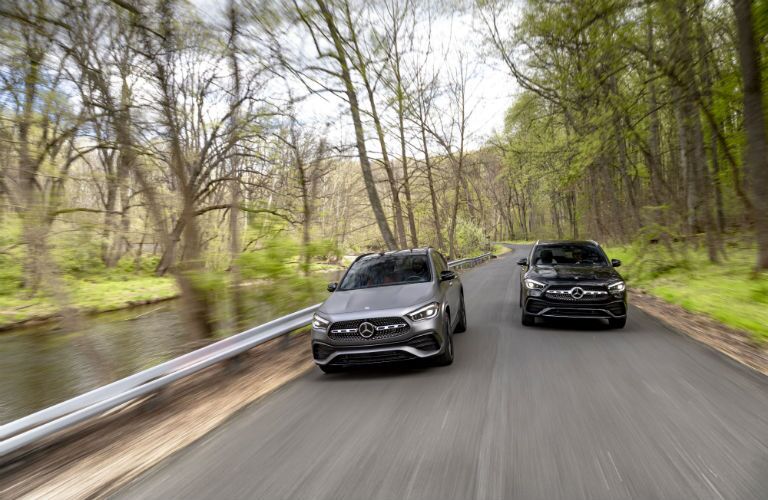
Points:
563	411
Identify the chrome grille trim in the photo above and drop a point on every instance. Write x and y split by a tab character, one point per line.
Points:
593	293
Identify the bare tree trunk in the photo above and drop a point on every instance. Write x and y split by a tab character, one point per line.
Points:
432	193
194	293
238	301
361	65
403	156
32	233
654	140
354	108
754	121
699	183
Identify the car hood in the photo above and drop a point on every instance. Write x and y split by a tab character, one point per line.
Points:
573	273
382	297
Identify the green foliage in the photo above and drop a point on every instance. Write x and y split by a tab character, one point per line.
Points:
207	281
324	250
470	238
277	263
276	259
127	266
727	292
10	258
92	296
78	254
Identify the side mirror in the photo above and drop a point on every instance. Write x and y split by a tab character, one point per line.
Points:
615	262
332	286
522	262
447	276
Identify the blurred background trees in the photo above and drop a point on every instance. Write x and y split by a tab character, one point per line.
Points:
193	139
637	118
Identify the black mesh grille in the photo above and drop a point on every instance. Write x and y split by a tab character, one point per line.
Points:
617	308
576	308
583	300
321	351
377	322
424	343
371	358
582	313
535	306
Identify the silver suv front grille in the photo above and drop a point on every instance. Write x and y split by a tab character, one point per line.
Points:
382	328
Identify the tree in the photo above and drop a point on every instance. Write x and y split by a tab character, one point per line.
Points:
754	123
338	53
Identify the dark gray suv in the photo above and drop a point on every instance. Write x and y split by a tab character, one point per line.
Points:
389	307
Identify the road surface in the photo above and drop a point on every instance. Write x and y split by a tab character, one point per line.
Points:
565	411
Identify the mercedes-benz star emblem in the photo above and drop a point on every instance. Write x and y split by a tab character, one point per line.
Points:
577	292
366	330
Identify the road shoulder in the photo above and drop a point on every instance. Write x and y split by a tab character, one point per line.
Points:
735	344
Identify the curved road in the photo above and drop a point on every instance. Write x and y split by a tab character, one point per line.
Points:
563	411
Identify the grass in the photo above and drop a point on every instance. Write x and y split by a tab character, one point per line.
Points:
728	292
92	296
499	249
519	242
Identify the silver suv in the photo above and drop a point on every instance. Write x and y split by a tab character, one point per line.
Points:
389	307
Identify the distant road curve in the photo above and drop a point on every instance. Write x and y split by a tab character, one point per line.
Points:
564	411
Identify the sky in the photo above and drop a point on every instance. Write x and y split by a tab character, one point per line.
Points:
491	91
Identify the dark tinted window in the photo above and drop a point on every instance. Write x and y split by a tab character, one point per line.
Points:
383	270
568	254
439	261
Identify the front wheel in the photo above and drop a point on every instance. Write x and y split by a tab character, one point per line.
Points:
446	358
462	325
617	322
329	368
527	319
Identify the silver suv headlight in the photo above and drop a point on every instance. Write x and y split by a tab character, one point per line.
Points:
428	311
319	322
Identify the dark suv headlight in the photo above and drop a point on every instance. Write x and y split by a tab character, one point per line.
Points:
533	284
428	311
617	289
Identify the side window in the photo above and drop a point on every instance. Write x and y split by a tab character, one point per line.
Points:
440	264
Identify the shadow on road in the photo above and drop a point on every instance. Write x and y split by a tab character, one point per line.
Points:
579	325
389	370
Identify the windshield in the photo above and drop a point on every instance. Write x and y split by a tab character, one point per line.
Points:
569	254
384	270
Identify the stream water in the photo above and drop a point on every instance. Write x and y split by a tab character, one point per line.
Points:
47	364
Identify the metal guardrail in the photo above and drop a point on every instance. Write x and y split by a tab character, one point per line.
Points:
44	423
470	262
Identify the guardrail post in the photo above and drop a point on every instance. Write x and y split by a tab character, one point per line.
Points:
155	400
234	364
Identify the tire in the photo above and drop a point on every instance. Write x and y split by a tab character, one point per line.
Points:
527	319
462	324
330	368
617	322
446	358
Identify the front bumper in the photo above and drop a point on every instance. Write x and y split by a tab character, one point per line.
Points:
422	339
544	308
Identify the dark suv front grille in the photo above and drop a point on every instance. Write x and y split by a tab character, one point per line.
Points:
576	309
385	328
588	294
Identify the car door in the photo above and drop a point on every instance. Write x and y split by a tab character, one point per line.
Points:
451	289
